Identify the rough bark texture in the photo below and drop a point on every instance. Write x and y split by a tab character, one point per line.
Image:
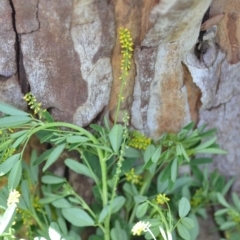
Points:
67	53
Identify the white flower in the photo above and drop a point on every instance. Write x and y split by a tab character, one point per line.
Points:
13	198
140	227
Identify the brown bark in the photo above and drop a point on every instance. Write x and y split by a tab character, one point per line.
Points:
67	53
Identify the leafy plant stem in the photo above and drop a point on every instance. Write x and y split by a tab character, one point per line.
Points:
144	188
161	215
85	205
35	216
100	155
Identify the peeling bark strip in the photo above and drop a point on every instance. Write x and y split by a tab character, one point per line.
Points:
228	29
211	22
173	37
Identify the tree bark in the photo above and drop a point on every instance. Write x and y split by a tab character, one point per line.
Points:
67	54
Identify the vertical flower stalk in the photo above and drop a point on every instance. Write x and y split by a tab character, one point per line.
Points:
126	43
34	104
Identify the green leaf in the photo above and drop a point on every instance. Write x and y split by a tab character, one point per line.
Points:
99	147
148	153
19	141
166	173
132	153
141	209
236	200
25	192
115	137
156	155
7	218
42	157
130	189
183	207
54	231
18	133
118	233
227	186
189	126
103	214
183	231
227	225
7	165
79	168
97	128
194	232
184	152
61	203
48	116
206	144
49	199
222	200
13	121
54	155
5	145
187	222
211	150
77	217
15	176
62	225
77	139
51	179
10	110
140	199
116	205
34	171
220	212
46	137
174	169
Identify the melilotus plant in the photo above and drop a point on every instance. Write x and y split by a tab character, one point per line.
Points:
134	177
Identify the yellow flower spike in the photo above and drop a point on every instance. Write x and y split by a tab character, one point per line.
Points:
161	199
33	104
133	178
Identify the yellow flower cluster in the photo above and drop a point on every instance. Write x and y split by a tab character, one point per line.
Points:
133	178
138	140
235	216
161	199
26	217
8	153
34	105
197	198
37	206
126	43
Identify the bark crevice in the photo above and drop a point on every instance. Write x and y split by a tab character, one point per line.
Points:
21	74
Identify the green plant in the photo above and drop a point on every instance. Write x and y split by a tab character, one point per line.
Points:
132	174
228	217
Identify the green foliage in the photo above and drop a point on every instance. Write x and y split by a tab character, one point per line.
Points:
135	178
108	161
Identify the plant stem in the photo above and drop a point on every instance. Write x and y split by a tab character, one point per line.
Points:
161	215
124	78
144	188
100	155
